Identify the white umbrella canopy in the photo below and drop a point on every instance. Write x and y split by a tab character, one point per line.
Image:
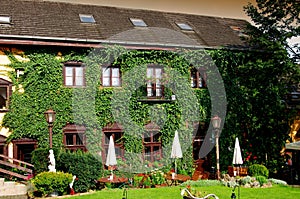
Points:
176	148
237	155
111	159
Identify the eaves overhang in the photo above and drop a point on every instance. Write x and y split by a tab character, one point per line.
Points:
94	43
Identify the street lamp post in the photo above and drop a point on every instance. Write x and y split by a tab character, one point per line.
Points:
50	117
216	122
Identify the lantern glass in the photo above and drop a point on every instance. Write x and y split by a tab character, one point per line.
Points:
50	116
216	122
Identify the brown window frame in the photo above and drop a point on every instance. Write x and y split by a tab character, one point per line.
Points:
110	76
3	146
74	131
7	85
117	132
74	65
152	144
151	85
21	145
198	80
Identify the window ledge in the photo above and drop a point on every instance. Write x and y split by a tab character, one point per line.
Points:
154	100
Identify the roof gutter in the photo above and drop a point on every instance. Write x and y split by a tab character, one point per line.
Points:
98	43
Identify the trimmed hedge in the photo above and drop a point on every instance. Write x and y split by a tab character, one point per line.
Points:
258	170
40	159
46	183
84	165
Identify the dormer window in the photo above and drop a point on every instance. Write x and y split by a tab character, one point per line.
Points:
138	22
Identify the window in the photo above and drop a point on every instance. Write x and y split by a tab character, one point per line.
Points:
5	20
111	76
74	74
184	26
87	18
198	78
3	146
5	93
117	141
138	22
74	137
152	146
116	131
154	86
22	149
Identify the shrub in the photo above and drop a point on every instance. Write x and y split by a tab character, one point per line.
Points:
84	165
158	178
261	179
46	183
137	179
147	182
258	170
40	159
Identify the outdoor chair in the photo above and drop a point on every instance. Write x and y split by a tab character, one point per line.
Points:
190	196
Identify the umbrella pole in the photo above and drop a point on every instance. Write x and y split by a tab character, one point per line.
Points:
175	166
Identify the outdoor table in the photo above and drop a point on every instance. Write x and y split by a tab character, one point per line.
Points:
115	180
177	178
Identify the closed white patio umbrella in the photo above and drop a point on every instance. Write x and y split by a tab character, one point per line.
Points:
237	155
176	149
111	159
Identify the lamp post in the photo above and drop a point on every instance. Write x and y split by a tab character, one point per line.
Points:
216	122
50	117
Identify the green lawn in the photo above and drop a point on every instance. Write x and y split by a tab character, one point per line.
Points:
276	192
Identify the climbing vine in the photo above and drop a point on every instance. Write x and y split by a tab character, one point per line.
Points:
41	87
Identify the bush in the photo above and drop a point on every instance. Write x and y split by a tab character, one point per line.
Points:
158	178
40	159
137	179
84	165
258	170
261	179
46	183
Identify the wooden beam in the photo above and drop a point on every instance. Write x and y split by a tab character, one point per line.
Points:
16	166
13	174
16	160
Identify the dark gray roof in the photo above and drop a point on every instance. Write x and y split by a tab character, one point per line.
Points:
43	21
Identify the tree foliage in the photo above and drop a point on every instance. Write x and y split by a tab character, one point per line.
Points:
275	21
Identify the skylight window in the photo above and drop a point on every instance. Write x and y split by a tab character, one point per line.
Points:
5	19
184	26
138	22
87	18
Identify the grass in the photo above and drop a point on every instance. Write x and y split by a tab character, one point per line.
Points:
275	192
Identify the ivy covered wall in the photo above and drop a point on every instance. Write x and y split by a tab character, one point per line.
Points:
95	106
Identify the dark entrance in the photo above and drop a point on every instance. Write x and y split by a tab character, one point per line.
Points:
23	149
